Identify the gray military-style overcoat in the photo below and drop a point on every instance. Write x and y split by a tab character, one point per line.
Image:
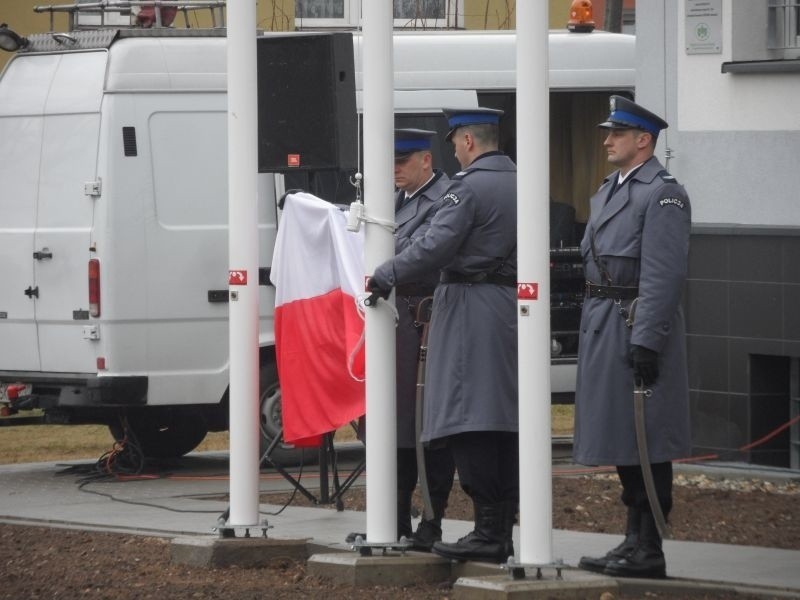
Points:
640	237
471	378
413	217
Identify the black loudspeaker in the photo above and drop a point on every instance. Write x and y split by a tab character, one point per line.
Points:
306	103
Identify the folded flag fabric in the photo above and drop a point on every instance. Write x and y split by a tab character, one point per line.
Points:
318	273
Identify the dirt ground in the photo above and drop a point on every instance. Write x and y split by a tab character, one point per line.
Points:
42	563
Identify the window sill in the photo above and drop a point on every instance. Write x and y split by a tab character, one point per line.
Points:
762	66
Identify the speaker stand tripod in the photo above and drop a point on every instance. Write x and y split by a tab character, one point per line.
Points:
328	464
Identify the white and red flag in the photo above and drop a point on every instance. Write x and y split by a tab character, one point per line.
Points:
318	273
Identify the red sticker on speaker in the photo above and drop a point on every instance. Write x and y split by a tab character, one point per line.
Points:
292	160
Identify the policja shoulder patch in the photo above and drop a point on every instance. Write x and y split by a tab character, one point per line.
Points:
451	197
671	202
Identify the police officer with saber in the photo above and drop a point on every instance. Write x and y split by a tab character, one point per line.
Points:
471	379
419	192
632	336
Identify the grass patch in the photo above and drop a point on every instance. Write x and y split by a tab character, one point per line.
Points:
43	443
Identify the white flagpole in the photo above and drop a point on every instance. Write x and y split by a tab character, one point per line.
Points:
533	175
243	263
378	247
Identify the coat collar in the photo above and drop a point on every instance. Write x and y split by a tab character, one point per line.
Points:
405	210
606	210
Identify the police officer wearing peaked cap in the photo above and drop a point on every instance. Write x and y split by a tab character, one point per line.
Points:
471	376
635	254
419	190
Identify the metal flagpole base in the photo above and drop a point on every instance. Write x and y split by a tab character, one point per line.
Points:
225	531
517	570
365	548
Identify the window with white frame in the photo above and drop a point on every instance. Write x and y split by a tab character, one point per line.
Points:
783	24
411	14
765	37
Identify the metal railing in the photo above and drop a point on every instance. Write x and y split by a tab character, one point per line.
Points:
112	13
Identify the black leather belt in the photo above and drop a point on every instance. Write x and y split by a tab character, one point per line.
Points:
490	278
614	292
414	289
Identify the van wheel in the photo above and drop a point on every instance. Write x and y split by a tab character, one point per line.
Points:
270	404
271	421
163	434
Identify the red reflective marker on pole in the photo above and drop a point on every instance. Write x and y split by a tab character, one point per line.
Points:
527	291
237	277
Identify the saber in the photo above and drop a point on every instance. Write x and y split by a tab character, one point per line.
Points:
423	317
639	395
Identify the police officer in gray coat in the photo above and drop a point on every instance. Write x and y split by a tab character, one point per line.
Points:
632	331
419	193
471	378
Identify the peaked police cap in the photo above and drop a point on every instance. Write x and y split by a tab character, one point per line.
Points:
408	141
470	116
626	114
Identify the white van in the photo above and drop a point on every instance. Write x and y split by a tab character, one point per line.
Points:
113	235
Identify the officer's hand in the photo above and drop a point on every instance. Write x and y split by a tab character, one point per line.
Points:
645	364
376	292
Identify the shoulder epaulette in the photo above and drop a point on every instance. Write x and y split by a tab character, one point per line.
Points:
666	177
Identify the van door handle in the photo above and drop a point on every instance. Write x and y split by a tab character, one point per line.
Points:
217	296
42	254
32	291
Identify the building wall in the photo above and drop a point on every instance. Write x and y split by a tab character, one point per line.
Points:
733	141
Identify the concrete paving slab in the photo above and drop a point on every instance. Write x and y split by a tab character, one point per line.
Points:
574	585
245	553
390	569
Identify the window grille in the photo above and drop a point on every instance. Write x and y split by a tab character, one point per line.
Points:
783	24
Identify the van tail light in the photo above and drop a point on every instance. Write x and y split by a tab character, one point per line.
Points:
94	287
581	16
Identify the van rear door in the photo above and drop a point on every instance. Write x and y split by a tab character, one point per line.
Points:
23	94
67	185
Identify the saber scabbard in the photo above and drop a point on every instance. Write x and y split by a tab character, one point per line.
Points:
639	396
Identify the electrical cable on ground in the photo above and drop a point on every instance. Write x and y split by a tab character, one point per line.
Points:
125	462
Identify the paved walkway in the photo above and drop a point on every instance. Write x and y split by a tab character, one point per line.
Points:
189	502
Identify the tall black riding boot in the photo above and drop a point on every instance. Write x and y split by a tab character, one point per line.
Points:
404	514
430	530
647	559
509	519
487	542
598	564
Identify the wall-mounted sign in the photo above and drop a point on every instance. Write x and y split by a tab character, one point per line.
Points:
703	26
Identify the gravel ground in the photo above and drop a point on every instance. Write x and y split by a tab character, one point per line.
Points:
43	563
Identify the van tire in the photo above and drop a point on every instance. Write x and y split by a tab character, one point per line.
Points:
162	434
269	401
271	422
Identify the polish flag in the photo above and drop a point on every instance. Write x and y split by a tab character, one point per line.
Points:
317	270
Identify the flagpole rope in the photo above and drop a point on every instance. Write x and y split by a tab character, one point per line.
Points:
359	300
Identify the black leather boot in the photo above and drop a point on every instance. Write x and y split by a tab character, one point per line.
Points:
430	530
404	514
487	542
647	559
509	520
598	564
